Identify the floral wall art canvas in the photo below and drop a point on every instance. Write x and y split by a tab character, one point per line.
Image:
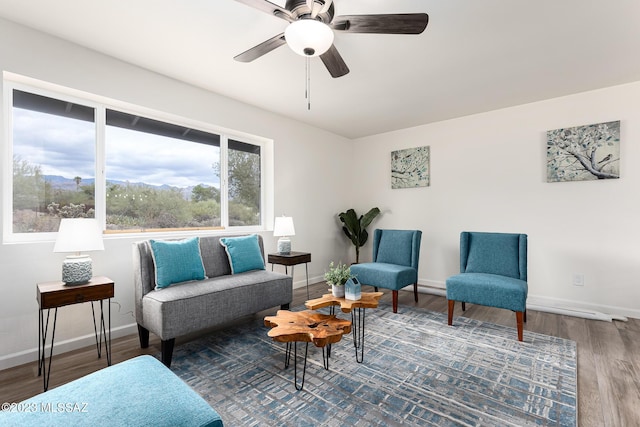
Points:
410	168
584	153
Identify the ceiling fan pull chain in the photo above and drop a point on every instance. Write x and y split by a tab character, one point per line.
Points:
307	92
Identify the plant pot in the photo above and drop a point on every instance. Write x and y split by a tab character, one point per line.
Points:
337	291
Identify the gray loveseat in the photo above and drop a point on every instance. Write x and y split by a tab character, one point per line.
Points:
193	306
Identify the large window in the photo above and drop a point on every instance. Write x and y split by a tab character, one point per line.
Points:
53	162
133	172
161	176
244	183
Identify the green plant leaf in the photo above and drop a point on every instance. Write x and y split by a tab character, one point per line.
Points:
350	235
364	235
338	275
354	227
368	217
351	222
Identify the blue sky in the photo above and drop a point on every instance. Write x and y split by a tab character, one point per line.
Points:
66	147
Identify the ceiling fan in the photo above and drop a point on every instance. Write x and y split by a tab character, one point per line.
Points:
311	26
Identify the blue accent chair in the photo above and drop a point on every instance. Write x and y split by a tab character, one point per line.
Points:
493	272
395	262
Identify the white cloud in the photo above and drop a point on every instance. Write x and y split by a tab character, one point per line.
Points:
66	147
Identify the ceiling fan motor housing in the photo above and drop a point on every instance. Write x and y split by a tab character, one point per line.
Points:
299	9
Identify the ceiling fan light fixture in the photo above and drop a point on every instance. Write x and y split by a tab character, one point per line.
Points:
308	37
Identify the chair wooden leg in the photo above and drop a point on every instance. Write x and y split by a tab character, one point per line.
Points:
464	306
395	301
519	318
451	304
415	291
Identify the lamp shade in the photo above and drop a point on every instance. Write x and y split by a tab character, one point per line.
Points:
284	226
79	235
308	37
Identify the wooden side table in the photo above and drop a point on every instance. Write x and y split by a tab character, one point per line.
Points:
57	294
291	259
357	310
305	326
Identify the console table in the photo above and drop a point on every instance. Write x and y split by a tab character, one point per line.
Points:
57	294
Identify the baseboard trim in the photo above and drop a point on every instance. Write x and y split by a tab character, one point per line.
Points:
581	309
553	305
31	355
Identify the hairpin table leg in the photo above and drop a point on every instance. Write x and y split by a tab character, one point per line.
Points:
295	362
357	323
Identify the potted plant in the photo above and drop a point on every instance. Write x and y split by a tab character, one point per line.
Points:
337	276
356	227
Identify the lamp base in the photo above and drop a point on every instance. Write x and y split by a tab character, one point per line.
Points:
76	270
284	245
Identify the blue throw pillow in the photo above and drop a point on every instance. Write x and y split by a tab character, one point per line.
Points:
244	253
177	261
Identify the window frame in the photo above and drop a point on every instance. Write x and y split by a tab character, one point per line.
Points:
100	105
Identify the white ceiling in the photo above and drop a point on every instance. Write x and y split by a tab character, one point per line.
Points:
474	56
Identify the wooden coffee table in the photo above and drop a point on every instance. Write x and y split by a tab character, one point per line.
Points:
357	310
305	326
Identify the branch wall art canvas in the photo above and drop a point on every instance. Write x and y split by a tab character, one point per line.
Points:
410	168
584	153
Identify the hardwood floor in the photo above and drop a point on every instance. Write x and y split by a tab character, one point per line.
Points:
608	358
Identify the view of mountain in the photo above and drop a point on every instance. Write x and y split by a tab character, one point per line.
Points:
62	183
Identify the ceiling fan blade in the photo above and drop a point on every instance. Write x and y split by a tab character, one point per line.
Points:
261	49
334	62
270	8
396	23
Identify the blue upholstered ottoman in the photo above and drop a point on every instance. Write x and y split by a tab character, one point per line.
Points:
137	392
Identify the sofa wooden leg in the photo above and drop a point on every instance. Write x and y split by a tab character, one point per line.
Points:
519	321
375	288
464	306
415	291
284	307
143	334
395	301
166	346
525	316
451	303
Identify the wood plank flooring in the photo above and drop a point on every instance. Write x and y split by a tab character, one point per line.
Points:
608	358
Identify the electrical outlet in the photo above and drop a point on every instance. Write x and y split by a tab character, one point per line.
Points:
578	279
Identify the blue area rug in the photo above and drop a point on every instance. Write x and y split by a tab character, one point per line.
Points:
417	371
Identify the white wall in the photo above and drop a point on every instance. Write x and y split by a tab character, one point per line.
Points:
488	173
303	188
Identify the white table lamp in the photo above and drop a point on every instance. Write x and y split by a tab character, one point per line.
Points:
283	228
78	235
